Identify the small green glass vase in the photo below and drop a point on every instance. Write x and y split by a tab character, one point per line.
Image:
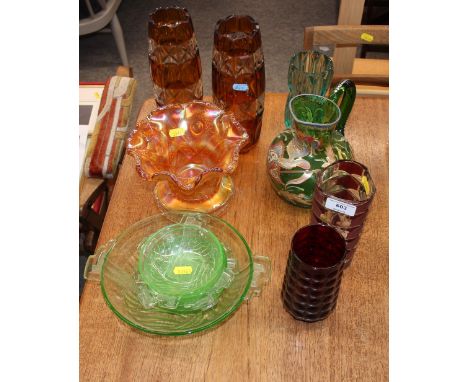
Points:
315	140
310	72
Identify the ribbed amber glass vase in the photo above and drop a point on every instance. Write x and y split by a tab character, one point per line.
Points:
238	72
174	57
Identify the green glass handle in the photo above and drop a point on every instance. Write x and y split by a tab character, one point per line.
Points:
92	270
346	91
261	276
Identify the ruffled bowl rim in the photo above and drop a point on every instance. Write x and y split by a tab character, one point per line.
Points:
229	168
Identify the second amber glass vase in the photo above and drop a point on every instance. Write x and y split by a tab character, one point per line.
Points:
174	57
238	72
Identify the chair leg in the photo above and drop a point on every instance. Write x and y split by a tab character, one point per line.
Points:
119	39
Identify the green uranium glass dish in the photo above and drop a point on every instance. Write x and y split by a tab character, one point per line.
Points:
179	273
181	264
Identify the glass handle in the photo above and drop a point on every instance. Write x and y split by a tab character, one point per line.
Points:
191	219
261	276
92	270
343	95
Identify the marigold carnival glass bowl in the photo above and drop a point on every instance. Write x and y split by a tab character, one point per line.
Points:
178	273
190	150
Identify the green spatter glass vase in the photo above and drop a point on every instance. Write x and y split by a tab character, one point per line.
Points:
310	72
315	140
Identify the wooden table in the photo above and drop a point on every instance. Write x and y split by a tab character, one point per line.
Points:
261	341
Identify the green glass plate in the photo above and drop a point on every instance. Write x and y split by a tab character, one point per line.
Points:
121	279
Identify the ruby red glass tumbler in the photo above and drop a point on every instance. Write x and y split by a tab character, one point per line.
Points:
313	274
342	198
238	72
174	57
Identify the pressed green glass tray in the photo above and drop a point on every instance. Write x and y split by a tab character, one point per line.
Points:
121	281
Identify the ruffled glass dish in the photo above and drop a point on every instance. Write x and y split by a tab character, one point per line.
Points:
190	150
122	278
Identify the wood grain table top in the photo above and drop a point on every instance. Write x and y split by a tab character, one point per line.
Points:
260	341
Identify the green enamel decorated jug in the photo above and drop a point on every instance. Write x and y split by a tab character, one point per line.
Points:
315	140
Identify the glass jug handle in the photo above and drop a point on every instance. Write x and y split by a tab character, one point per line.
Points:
346	91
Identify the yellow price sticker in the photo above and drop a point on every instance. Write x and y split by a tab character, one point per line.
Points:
176	132
184	270
97	95
367	37
365	183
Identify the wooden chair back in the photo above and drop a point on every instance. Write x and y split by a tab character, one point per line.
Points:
361	71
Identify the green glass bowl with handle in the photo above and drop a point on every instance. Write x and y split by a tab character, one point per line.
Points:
116	266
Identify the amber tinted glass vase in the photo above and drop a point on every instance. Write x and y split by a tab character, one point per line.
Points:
238	74
174	57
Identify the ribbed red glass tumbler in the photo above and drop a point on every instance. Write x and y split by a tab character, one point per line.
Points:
174	57
238	72
342	198
313	275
